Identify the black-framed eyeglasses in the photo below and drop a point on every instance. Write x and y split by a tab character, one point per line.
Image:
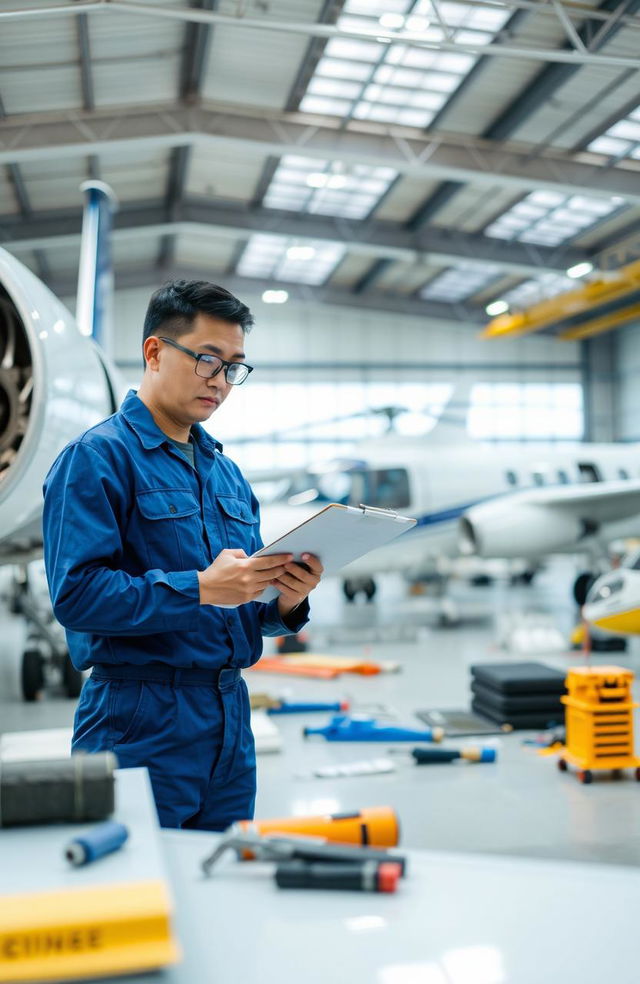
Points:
208	366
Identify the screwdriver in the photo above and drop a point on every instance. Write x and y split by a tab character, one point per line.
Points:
472	753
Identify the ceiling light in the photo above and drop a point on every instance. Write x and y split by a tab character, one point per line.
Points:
275	296
391	22
317	180
579	270
497	307
337	181
300	253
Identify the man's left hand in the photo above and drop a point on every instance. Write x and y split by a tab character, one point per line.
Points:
296	583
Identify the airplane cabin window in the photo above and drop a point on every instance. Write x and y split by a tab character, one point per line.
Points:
538	478
563	478
623	473
589	472
511	477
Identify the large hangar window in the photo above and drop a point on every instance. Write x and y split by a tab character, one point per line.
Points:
285	424
526	411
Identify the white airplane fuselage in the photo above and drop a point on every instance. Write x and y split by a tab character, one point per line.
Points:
443	481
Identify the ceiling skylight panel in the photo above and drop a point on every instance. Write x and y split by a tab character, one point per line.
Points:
620	140
334	87
549	218
626	130
328	188
323	106
460	282
354	50
399	70
339	69
282	258
376	8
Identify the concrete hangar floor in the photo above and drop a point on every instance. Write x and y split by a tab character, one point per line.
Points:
519	805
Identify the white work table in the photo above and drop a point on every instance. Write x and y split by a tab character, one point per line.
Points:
455	919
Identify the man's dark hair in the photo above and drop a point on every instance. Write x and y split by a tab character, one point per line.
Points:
174	306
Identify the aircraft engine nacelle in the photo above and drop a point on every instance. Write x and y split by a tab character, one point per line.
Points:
503	528
53	385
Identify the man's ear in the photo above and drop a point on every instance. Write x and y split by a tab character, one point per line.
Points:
151	350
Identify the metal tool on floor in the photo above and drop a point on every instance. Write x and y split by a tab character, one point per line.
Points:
345	728
364	767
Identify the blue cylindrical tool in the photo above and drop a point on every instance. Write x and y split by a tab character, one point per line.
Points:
344	728
95	843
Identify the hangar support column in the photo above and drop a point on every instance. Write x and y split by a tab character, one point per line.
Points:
599	369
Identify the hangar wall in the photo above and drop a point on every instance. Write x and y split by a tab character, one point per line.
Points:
345	339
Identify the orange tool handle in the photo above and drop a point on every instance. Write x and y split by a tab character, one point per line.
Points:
376	826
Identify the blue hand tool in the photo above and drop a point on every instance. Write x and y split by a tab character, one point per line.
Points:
300	707
96	842
344	728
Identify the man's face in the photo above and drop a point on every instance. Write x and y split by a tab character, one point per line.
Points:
185	396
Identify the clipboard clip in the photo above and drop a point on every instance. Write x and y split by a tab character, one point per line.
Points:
377	511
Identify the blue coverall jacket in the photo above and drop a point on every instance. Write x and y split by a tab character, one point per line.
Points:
128	523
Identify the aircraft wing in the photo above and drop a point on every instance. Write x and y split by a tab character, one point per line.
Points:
555	519
603	502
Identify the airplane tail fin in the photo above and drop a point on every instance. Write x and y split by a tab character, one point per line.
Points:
94	307
451	426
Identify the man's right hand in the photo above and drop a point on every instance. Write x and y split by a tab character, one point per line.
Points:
235	579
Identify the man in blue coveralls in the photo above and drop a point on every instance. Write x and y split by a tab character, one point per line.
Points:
148	534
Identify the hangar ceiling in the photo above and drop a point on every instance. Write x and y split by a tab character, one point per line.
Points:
426	156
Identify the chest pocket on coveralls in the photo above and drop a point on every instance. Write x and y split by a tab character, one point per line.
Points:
239	521
171	527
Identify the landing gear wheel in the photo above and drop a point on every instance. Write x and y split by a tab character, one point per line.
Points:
562	765
348	590
370	587
71	678
32	674
585	776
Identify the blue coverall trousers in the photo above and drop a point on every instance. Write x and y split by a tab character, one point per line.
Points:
190	728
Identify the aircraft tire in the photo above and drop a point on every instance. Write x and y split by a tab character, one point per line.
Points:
582	586
370	587
349	590
32	675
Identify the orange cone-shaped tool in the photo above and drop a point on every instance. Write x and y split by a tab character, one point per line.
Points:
376	826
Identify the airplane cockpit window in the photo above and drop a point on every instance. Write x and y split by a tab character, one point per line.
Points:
511	477
563	478
604	591
588	472
623	473
385	488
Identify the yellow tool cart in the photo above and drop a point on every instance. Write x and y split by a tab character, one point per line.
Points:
599	721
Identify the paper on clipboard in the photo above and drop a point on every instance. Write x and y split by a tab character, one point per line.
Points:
337	535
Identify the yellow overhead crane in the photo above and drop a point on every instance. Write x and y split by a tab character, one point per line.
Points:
609	300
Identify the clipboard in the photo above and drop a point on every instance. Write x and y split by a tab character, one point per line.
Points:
337	535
